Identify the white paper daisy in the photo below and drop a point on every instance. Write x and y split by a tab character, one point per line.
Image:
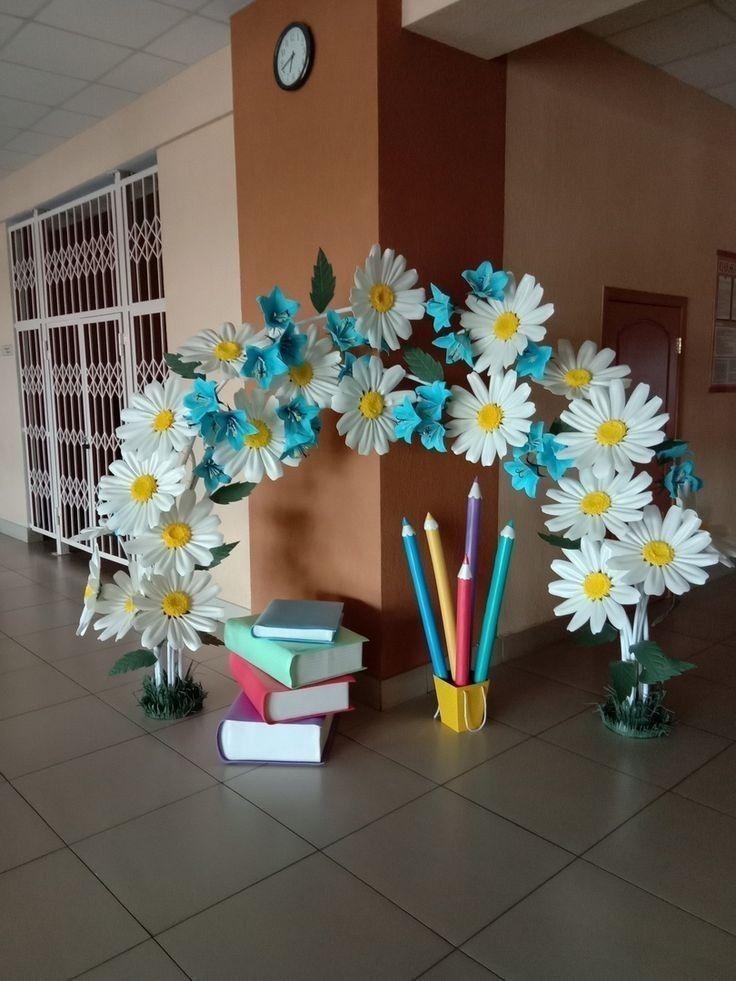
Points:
117	604
91	592
592	591
490	418
610	433
138	490
366	404
316	377
574	374
177	608
501	329
260	454
221	349
593	505
183	538
383	300
663	553
156	420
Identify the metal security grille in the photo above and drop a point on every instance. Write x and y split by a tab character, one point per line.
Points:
88	295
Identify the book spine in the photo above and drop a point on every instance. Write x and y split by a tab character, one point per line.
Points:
265	654
254	690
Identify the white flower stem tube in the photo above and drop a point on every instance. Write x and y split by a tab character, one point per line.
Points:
320	316
179	671
157	666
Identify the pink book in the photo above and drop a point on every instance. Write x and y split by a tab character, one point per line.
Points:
277	703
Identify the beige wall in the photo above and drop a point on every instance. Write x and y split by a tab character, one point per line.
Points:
618	175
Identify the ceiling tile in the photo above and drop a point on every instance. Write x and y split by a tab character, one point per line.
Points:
640	13
135	22
726	93
34	143
62	52
8	27
142	72
19	81
15	112
706	70
22	8
60	122
223	9
678	35
193	39
10	160
7	133
99	100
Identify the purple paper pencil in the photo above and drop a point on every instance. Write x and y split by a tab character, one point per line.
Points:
472	531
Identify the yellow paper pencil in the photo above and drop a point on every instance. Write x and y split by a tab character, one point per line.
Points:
432	531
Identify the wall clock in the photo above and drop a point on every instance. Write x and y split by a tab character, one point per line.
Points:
293	56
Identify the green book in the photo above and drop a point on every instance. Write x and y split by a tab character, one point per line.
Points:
296	665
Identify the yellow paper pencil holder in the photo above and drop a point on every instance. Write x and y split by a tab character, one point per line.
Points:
462	709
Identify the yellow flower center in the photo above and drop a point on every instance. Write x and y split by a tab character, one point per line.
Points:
301	374
597	502
261	439
176	535
382	297
372	405
176	604
129	606
597	585
658	553
506	325
490	417
577	377
88	592
611	432
227	350
163	421
143	488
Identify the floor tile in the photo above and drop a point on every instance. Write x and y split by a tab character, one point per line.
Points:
15	623
681	852
34	688
324	803
532	703
581	667
208	652
457	967
146	962
21	597
59	642
182	858
63	921
25	835
337	928
14	657
678	645
712	620
449	862
556	794
585	924
92	669
702	703
60	732
663	762
718	663
412	736
714	784
116	784
196	739
12	580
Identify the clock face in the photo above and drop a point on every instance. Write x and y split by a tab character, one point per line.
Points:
292	60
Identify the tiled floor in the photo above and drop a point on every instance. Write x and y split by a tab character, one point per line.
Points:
543	847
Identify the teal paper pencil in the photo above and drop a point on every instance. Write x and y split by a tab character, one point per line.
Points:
423	602
493	603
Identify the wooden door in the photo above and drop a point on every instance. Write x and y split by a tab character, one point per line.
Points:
647	332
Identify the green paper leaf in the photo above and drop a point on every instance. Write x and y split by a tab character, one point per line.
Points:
323	283
132	661
423	365
558	427
183	368
584	636
657	666
573	543
624	675
671	444
232	492
219	552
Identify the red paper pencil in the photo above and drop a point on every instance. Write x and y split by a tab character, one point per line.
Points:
464	623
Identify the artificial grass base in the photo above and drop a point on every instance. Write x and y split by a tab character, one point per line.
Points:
637	720
176	701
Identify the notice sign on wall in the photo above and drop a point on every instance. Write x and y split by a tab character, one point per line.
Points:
723	370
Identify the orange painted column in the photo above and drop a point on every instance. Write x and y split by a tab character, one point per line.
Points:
394	139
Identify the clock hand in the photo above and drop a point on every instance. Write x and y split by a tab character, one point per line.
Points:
288	61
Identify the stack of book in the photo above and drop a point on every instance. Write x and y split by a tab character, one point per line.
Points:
294	664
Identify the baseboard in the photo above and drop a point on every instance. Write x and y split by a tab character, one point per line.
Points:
530	639
20	532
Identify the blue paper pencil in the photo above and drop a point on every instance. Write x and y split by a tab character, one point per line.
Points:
422	594
493	603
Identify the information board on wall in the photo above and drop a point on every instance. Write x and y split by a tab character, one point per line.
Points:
723	369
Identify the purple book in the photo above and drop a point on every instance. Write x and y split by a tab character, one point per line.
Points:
243	737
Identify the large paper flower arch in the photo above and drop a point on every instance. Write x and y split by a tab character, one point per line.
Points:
620	551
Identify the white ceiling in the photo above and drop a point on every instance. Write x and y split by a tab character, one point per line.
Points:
694	41
65	64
